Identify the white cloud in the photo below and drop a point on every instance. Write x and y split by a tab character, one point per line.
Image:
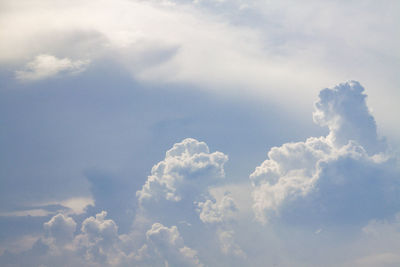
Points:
99	244
343	109
95	227
61	229
188	167
329	178
169	244
217	211
45	66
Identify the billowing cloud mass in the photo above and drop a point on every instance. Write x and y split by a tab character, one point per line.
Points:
186	216
345	176
45	66
117	119
188	169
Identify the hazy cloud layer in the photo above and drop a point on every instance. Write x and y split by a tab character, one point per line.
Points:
219	46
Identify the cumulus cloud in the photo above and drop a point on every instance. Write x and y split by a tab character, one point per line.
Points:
212	211
344	111
170	246
184	179
45	66
345	176
60	228
188	167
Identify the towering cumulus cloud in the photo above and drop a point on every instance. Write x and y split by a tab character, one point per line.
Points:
344	176
344	111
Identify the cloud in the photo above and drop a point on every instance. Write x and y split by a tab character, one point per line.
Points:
99	238
184	180
346	180
343	177
344	111
75	205
222	212
99	244
45	66
228	46
169	244
60	228
188	167
212	211
228	245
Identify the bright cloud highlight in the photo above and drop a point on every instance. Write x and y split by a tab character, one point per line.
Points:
45	66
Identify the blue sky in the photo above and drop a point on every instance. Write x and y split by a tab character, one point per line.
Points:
199	133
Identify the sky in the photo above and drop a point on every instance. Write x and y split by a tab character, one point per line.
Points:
199	133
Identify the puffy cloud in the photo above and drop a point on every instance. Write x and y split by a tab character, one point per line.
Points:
61	229
170	246
288	173
217	211
45	66
222	212
98	227
99	238
341	177
344	110
188	167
